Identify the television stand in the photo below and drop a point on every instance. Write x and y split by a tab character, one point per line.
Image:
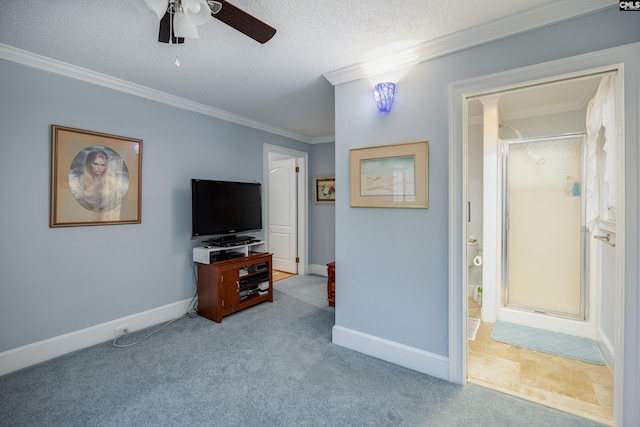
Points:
228	286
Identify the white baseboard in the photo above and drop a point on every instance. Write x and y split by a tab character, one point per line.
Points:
606	348
320	270
41	351
400	354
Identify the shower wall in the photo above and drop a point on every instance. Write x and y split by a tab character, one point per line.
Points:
547	125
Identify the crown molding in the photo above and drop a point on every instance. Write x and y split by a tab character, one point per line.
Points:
323	139
532	19
44	63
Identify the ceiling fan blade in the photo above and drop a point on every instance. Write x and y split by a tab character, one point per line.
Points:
245	23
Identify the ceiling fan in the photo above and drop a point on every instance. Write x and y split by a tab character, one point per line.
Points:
179	19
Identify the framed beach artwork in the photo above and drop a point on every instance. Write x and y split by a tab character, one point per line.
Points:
95	178
324	190
390	176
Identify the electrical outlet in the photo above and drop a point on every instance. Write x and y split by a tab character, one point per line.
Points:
122	330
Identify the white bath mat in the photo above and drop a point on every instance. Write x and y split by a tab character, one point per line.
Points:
473	325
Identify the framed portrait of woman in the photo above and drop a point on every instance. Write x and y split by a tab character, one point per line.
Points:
95	178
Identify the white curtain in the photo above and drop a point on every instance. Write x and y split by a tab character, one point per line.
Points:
601	114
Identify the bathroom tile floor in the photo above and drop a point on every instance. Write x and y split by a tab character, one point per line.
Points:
580	388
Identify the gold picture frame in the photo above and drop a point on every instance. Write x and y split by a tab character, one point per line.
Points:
95	178
390	176
324	190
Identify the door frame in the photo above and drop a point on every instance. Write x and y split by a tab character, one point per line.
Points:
302	161
601	61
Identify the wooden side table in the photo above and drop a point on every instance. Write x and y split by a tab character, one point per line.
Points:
331	284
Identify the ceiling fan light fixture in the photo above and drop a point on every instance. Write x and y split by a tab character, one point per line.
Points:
179	19
183	27
197	11
153	10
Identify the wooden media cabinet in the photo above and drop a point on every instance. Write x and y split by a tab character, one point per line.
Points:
231	285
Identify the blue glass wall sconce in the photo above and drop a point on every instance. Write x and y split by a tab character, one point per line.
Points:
384	93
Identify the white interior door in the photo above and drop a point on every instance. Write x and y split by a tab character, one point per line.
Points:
283	214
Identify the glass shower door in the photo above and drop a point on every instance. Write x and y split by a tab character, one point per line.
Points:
543	239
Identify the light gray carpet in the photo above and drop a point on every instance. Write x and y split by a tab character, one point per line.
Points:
270	365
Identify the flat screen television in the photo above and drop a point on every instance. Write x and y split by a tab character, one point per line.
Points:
224	208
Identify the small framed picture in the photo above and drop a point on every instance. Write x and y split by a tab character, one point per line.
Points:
324	190
95	178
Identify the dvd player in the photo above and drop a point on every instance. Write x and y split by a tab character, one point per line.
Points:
233	243
222	256
227	243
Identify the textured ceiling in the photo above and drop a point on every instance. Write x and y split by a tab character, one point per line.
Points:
279	83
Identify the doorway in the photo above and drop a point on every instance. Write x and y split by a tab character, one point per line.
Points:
285	208
282	230
505	212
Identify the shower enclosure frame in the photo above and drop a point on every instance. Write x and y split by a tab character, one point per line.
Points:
582	314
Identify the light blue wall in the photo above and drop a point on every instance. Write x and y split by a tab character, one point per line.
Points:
322	218
392	264
59	280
